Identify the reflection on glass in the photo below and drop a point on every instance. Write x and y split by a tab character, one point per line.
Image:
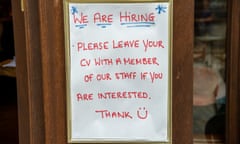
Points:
209	97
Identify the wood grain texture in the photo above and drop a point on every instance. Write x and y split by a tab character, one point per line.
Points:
21	71
183	17
53	63
29	73
233	70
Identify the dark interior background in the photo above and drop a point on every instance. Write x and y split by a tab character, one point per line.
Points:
8	90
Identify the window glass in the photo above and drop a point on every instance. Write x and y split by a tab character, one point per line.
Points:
209	88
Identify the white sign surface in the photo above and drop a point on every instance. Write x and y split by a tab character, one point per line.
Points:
119	71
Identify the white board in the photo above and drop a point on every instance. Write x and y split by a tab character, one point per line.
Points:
119	71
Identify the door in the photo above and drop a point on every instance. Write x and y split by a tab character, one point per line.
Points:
40	55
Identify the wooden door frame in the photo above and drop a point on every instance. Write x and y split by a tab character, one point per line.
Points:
41	72
28	71
233	70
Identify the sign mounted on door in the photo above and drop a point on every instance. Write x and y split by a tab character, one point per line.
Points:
118	64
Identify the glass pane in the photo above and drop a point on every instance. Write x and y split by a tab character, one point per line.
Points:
209	87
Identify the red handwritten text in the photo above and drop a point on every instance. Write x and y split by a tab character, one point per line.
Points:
155	75
125	75
108	114
101	77
133	17
152	44
84	97
82	19
137	61
103	18
88	77
103	61
125	44
85	62
123	95
92	46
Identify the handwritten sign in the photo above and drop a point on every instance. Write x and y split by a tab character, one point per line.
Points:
119	71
